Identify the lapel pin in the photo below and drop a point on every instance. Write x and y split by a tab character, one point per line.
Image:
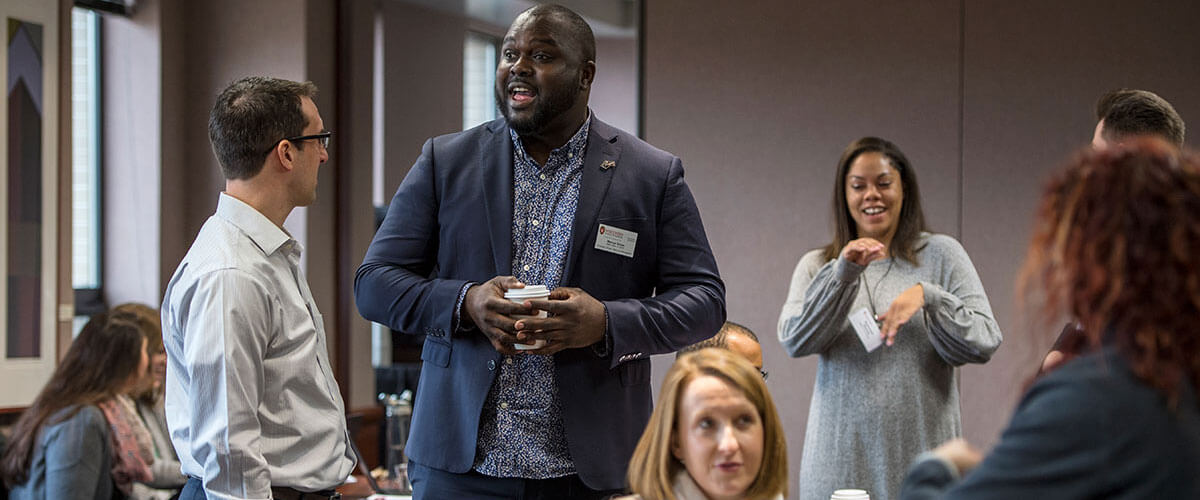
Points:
607	164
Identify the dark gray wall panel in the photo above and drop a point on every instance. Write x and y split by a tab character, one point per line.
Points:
759	103
1032	73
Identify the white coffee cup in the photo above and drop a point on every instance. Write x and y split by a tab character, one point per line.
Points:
850	495
520	295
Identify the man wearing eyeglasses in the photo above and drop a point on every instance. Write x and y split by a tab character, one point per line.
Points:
511	406
252	405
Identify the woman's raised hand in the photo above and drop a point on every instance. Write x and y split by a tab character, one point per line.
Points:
906	304
864	250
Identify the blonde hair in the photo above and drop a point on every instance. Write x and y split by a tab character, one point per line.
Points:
150	323
653	467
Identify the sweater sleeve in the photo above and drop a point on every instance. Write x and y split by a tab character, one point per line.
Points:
818	303
961	326
165	471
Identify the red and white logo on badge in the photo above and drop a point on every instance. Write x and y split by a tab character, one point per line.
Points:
616	240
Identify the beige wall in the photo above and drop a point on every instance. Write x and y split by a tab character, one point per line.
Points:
423	51
614	96
166	65
132	154
984	97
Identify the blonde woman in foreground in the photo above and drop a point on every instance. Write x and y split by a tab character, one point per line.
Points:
714	435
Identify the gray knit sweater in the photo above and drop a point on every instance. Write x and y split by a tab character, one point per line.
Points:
872	413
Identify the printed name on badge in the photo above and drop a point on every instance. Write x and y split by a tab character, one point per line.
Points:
616	240
867	329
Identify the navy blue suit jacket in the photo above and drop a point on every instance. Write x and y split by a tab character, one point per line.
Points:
450	223
1088	429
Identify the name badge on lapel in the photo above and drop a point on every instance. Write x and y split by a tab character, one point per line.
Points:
616	240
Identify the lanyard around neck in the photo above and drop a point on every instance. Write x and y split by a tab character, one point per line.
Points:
870	296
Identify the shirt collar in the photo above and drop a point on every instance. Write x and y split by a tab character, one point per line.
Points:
257	226
574	146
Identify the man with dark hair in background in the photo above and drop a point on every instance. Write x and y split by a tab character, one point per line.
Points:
251	402
736	338
1126	113
554	197
1120	114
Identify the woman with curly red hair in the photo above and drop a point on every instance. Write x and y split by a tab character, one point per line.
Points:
1115	245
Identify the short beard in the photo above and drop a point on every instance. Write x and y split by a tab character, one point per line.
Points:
544	112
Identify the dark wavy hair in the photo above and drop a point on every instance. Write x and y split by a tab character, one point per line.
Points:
1115	246
98	365
912	219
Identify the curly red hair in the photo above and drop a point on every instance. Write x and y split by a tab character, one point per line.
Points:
1116	245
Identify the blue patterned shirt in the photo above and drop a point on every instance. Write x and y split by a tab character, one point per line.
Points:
521	430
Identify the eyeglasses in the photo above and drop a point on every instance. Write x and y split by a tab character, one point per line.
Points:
322	138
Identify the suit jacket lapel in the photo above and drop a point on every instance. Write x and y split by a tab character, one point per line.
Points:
598	166
495	158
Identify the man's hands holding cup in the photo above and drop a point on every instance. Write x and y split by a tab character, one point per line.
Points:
575	319
492	313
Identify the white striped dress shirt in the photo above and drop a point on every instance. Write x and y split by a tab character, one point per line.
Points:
251	401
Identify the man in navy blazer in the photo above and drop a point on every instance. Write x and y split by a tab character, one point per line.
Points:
548	195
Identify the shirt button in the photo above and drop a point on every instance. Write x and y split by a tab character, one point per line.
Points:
503	406
570	155
534	222
526	267
491	364
508	360
543	177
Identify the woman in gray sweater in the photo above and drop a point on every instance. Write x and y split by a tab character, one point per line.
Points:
874	410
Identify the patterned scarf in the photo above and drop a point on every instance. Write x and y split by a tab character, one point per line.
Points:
132	452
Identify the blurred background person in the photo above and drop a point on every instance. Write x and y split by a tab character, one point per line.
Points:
714	434
872	412
1121	115
1124	114
1114	245
166	477
736	338
78	439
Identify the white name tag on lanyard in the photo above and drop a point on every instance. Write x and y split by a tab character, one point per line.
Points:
866	328
616	240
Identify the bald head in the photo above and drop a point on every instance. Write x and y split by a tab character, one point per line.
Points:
734	337
569	25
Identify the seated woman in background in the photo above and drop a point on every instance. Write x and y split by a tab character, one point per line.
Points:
714	435
166	478
75	441
874	409
1114	245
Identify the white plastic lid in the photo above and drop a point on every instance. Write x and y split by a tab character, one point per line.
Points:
850	494
529	291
